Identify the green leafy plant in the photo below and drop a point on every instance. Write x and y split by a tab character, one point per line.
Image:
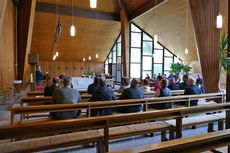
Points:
176	67
224	59
89	73
2	95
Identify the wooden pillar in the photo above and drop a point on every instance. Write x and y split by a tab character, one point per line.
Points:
125	40
3	5
26	13
204	14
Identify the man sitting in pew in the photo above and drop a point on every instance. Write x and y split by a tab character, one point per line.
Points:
134	92
192	90
125	85
94	86
184	84
50	89
162	92
103	93
66	95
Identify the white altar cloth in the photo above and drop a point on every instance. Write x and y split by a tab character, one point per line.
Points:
81	83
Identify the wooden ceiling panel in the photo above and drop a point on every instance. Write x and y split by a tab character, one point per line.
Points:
92	37
168	21
110	6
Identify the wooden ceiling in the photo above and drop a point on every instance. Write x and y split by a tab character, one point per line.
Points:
168	21
97	36
93	36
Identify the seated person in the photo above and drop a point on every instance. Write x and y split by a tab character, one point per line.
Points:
162	92
184	84
66	95
94	86
125	85
192	90
50	89
172	84
147	77
134	92
158	86
62	76
103	93
199	83
145	86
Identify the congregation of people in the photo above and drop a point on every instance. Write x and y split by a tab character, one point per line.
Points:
130	89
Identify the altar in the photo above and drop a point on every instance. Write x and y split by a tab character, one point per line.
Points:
81	83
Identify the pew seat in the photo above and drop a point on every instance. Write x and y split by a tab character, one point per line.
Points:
138	129
196	120
51	142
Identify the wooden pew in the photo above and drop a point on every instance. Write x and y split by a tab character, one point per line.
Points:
105	122
84	92
194	144
104	104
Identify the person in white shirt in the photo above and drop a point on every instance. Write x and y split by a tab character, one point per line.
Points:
145	85
125	85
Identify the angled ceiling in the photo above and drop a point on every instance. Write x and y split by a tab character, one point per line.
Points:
97	36
168	21
92	36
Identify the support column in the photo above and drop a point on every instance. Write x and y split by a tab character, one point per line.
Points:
204	14
125	40
26	13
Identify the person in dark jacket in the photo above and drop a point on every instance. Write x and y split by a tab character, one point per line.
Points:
199	82
192	90
184	84
94	86
50	89
39	75
162	92
103	93
134	92
172	84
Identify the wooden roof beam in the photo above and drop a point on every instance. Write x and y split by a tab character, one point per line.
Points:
151	4
78	12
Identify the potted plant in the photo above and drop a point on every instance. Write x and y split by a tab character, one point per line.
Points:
177	67
2	96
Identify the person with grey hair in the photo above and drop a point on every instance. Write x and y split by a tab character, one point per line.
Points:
125	85
66	95
134	92
162	92
103	93
192	90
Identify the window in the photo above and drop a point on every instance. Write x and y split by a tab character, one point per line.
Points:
146	57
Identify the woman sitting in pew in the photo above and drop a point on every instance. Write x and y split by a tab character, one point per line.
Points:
145	85
172	84
49	90
162	92
125	85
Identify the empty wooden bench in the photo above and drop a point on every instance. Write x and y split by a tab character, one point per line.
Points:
114	126
194	144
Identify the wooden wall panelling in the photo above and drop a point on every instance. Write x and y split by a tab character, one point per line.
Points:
3	5
207	37
8	45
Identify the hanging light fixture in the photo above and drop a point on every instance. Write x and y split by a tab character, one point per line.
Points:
89	57
93	3
84	59
72	28
186	31
54	57
57	53
96	55
219	21
155	36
